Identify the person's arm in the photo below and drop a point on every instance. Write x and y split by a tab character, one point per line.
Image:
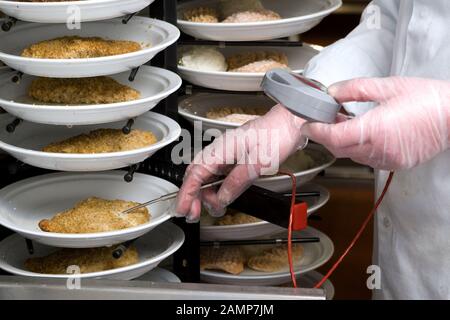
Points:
410	125
366	52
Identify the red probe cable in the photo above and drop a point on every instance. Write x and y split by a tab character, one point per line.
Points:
291	219
359	233
352	243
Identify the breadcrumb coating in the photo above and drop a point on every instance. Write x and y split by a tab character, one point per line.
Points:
94	215
201	14
88	260
234	218
103	141
252	16
227	259
236	114
97	90
275	258
245	61
75	47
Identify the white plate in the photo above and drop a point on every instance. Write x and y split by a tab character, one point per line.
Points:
154	84
29	138
315	255
153	248
159	275
298	17
194	108
25	203
154	35
298	57
63	12
257	230
322	160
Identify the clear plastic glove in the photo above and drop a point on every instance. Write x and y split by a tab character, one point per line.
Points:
409	126
256	148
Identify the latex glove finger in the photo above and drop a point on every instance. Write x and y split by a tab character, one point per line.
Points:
239	180
341	135
194	212
365	90
212	204
190	190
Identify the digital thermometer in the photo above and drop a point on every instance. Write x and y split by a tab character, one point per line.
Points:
304	97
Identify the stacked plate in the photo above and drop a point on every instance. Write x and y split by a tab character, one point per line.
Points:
210	66
24	204
314	254
298	57
297	18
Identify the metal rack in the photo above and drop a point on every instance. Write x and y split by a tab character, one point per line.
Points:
258	202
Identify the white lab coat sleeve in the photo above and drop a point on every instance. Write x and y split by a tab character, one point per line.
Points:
366	52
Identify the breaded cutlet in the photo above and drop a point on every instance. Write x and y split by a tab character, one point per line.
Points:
274	258
97	90
88	260
96	215
227	259
103	141
240	60
201	14
75	47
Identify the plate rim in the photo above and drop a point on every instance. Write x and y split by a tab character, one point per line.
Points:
211	122
174	131
174	83
173	33
178	238
277	275
247	75
333	5
166	215
330	161
59	4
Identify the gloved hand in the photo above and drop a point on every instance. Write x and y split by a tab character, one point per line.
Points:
409	126
254	149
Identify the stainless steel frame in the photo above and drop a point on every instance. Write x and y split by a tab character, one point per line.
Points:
23	288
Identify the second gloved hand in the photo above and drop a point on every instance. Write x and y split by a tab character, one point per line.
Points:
254	149
409	126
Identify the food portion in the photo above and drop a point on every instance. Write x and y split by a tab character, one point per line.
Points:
252	16
233	260
204	58
257	62
274	259
94	215
75	47
201	14
97	90
88	260
231	11
233	217
230	259
103	141
236	114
